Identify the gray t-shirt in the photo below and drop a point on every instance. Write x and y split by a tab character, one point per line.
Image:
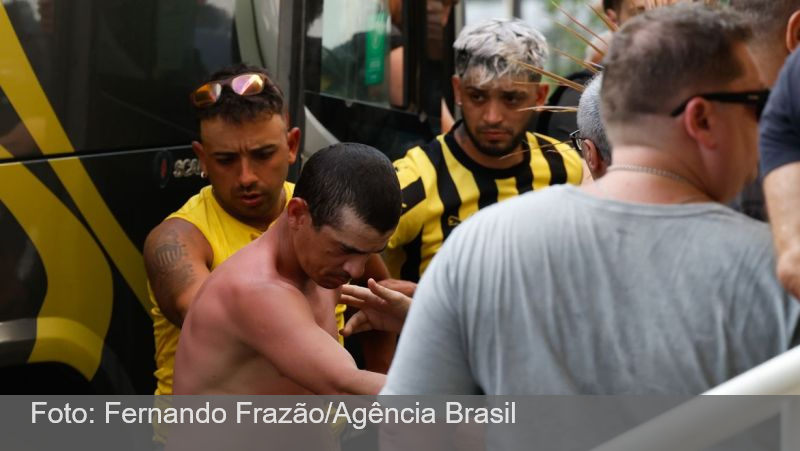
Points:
558	292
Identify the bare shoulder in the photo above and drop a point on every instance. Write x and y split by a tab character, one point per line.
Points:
264	302
268	292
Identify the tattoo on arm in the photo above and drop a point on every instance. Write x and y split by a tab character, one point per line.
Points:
171	270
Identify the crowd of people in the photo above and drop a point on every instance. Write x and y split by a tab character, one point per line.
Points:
507	260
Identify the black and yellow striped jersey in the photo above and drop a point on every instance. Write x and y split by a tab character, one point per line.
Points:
442	187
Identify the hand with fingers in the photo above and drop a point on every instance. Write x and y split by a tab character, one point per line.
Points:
404	286
380	308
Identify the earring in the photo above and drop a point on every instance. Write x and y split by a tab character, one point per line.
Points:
203	174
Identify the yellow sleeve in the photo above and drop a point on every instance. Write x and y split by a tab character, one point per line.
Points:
572	163
572	160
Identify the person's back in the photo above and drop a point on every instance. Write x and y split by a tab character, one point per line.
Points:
214	323
603	297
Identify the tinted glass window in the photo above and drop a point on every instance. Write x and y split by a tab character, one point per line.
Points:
118	72
355	50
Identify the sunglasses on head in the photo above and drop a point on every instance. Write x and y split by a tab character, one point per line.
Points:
248	84
757	99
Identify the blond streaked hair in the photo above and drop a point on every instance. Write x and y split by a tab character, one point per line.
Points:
489	50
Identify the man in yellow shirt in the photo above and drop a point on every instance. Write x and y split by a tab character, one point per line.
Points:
246	147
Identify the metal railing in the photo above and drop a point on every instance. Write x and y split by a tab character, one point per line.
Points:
704	422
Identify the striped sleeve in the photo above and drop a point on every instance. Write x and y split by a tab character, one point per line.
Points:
413	193
564	163
408	232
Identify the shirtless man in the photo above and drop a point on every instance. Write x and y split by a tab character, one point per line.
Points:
263	322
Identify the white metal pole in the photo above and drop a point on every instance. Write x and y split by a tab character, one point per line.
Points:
508	6
703	422
778	376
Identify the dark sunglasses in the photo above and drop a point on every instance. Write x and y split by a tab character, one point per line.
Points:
577	141
248	84
758	99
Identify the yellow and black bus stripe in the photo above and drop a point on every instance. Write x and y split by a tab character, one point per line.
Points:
82	314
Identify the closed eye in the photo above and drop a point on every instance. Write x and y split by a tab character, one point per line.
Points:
224	159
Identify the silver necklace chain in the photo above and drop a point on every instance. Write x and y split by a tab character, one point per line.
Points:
654	171
649	170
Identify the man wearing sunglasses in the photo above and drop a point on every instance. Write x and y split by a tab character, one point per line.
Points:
246	146
640	283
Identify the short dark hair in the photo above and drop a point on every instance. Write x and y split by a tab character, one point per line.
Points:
355	176
237	109
659	57
767	18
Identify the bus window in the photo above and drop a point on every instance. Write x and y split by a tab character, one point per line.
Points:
355	50
118	72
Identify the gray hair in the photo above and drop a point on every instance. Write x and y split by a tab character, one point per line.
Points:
486	51
768	18
666	54
590	123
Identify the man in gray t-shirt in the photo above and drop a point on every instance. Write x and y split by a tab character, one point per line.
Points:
641	283
560	292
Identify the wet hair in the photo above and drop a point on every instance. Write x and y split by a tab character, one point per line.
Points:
487	50
236	109
590	123
350	175
767	18
666	54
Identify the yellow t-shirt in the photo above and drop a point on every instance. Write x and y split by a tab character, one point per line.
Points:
226	235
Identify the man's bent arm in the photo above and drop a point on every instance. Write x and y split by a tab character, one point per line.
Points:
177	258
284	331
782	190
377	346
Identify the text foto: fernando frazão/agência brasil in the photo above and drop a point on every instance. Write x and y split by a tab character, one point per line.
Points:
330	413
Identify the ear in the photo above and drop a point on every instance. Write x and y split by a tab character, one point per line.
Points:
591	155
793	31
293	140
455	80
612	16
297	212
542	90
200	153
699	122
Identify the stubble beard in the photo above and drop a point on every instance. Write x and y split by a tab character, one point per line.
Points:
494	152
